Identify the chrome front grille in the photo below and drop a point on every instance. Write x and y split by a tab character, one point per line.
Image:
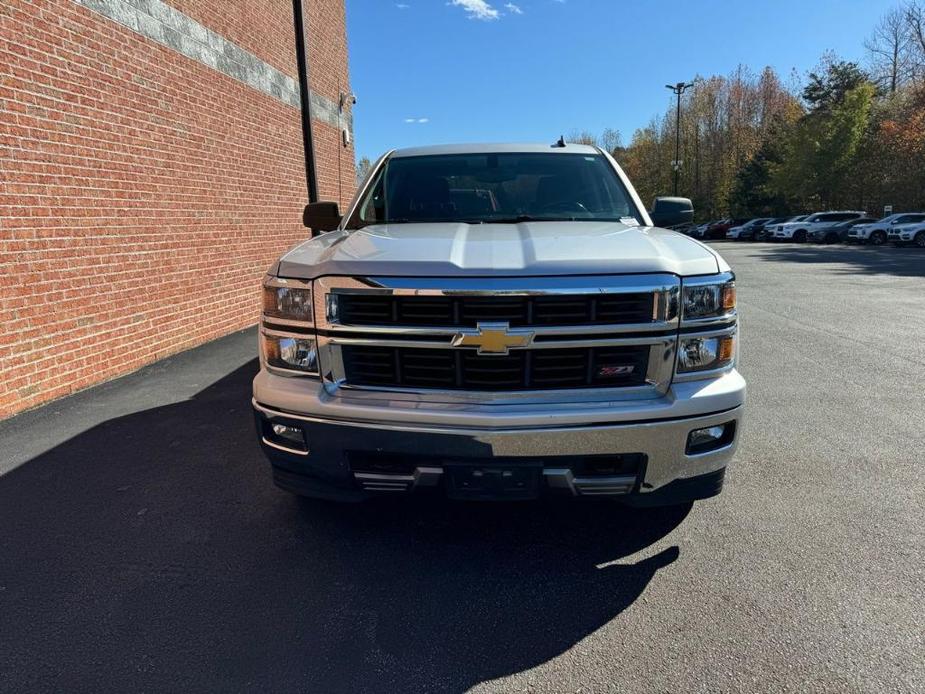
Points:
493	339
517	311
457	369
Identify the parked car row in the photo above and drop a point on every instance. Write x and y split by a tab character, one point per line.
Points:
740	229
837	226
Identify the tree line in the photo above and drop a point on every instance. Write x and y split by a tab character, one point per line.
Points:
849	135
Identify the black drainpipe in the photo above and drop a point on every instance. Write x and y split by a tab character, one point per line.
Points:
311	177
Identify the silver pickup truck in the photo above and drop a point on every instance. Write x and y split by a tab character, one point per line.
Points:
499	322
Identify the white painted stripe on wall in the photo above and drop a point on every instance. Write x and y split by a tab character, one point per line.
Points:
168	26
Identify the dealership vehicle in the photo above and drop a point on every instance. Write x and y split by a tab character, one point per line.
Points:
878	232
553	341
699	231
837	231
747	230
718	229
799	231
904	234
766	231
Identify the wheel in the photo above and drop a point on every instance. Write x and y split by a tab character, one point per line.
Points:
831	238
920	239
800	236
878	238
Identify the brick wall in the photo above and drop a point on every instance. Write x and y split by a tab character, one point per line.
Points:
143	193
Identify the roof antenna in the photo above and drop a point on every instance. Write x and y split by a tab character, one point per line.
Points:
560	142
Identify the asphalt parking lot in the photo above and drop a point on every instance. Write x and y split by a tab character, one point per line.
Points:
144	548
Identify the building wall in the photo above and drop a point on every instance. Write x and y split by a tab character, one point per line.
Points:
151	169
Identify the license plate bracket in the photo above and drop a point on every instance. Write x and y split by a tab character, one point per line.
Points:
491	481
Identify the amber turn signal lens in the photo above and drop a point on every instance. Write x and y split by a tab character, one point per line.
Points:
271	349
269	301
729	296
726	348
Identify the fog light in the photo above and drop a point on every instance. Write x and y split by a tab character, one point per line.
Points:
284	436
710	438
290	433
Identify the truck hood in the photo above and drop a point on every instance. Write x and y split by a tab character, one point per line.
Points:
525	249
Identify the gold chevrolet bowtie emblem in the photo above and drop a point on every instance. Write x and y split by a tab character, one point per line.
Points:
493	338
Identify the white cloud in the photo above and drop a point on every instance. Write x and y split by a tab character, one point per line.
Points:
402	6
477	9
512	8
417	120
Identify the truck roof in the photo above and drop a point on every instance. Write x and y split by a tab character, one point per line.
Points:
494	148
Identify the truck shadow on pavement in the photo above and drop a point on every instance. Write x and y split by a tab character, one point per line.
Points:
151	552
901	262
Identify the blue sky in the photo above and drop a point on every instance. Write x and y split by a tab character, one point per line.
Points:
437	71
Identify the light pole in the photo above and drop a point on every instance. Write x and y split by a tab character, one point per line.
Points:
678	89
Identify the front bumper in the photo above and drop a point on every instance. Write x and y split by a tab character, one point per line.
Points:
421	445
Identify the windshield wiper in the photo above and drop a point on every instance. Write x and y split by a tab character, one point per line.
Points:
536	218
514	219
526	218
437	220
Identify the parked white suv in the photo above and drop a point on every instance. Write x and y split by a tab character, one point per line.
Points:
747	230
799	231
878	232
913	232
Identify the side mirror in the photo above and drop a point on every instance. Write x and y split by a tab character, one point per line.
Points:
669	212
321	216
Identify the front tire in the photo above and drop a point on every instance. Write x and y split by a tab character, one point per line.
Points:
800	236
920	239
878	238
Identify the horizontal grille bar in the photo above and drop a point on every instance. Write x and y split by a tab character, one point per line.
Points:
518	311
460	369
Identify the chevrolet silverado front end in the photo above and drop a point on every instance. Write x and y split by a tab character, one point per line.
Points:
499	322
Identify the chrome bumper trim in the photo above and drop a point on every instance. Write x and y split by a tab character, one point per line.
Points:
377	482
556	478
563	478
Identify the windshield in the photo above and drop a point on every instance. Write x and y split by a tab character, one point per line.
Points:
495	187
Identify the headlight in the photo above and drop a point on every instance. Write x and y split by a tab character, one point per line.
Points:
709	300
287	314
705	353
287	299
290	352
